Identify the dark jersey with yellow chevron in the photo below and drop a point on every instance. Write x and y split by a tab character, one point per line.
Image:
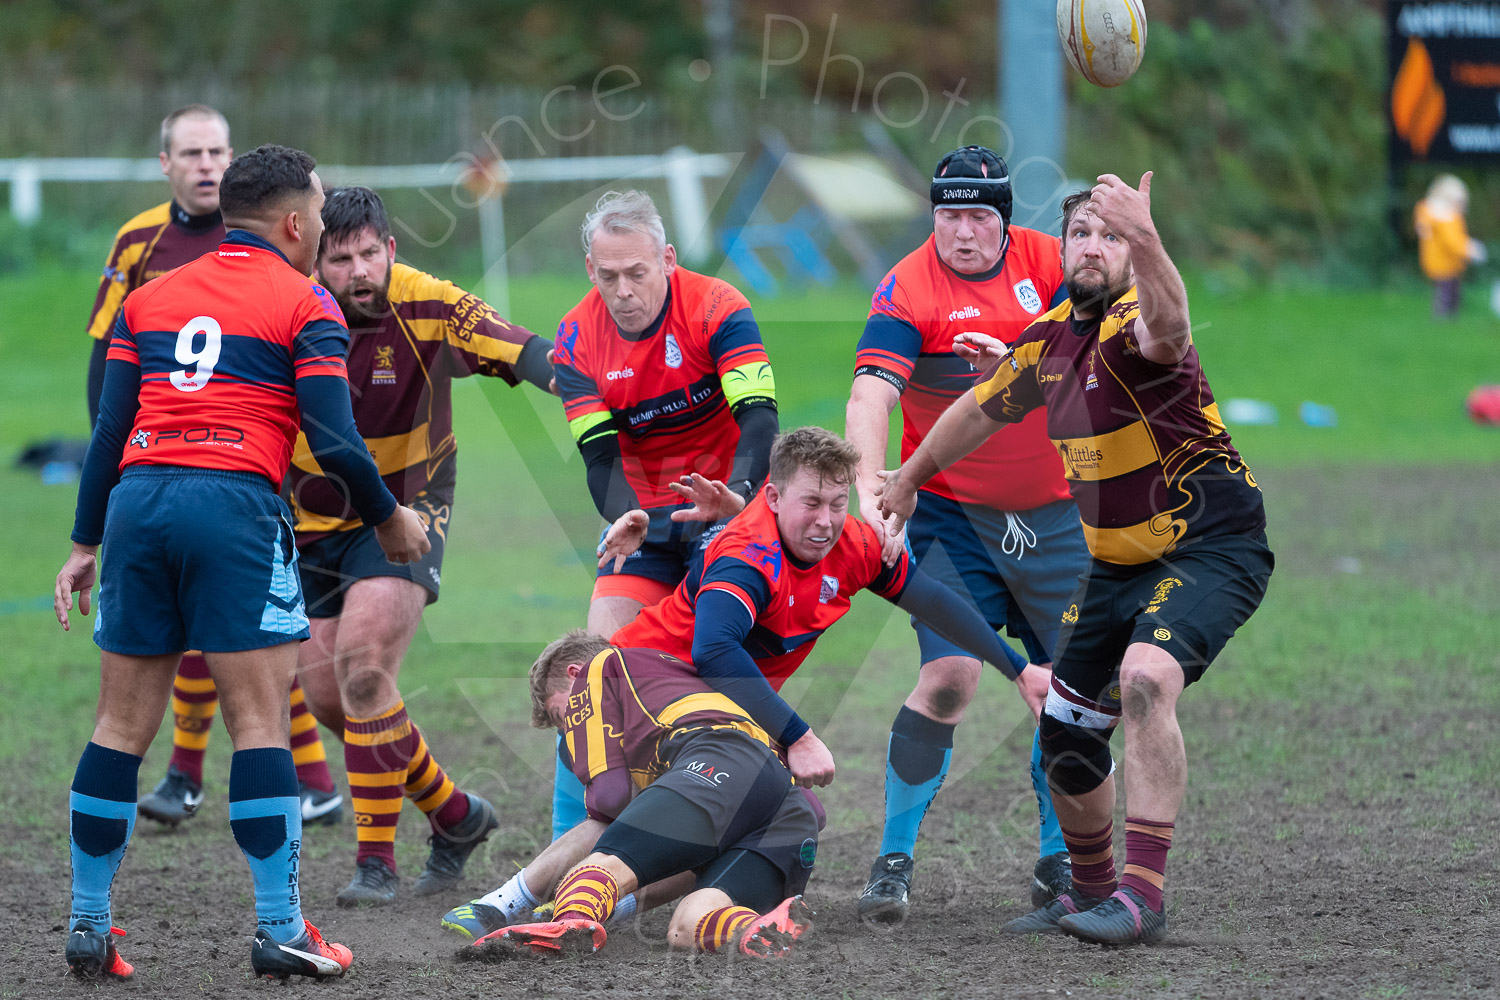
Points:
158	240
628	704
1144	451
400	379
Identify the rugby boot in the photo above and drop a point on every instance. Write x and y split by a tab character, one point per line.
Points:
473	920
771	935
887	895
1052	876
91	954
1043	919
320	808
309	955
569	936
373	883
174	799
1122	919
451	848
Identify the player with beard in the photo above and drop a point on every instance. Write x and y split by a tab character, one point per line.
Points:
411	335
194	153
1010	544
1175	526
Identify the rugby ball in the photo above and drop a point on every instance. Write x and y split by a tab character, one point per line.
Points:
1103	39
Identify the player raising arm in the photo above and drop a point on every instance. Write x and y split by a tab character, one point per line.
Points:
211	369
1175	526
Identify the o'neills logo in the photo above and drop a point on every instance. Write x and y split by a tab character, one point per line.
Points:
967	312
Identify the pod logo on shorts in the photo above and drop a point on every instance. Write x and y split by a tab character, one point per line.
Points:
1159	596
1162	635
141	439
1071	615
710	774
808	855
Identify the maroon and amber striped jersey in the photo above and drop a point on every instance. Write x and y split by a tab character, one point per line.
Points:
401	371
668	392
220	343
627	703
792	603
1146	454
917	310
158	240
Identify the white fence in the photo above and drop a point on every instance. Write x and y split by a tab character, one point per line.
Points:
683	170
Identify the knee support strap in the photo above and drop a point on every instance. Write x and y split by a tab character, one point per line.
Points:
1075	758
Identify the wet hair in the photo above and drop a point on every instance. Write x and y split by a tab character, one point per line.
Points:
348	210
575	646
1070	205
260	180
625	212
188	111
815	449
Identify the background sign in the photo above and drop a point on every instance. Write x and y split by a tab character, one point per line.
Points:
1445	82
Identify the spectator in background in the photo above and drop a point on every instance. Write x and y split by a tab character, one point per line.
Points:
1444	246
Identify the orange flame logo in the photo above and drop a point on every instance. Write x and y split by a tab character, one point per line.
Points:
1417	102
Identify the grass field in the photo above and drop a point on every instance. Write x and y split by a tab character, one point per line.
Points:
1338	834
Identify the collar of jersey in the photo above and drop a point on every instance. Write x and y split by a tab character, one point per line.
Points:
244	237
656	323
194	223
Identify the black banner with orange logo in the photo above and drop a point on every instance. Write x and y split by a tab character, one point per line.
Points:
1445	82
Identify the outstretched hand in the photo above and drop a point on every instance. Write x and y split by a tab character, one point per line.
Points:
711	499
1034	682
623	538
979	349
1124	209
896	500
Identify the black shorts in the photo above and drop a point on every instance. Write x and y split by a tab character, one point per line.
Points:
725	795
1188	603
332	564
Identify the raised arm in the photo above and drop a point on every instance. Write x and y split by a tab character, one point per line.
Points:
1163	330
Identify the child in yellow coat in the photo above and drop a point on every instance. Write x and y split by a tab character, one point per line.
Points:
1443	243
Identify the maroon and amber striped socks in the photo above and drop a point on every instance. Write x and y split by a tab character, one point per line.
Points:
1146	844
194	703
387	760
718	928
588	892
1093	857
308	755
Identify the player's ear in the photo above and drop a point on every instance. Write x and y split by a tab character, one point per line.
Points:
669	259
165	160
773	497
574	669
390	247
588	265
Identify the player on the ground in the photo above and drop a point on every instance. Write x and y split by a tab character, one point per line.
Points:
211	369
749	612
410	335
194	152
1009	543
686	781
662	373
1175	525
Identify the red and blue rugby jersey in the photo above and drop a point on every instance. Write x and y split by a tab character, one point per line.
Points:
669	391
908	340
220	343
792	603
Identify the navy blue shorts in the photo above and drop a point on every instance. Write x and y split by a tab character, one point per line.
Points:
197	559
333	563
1017	569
